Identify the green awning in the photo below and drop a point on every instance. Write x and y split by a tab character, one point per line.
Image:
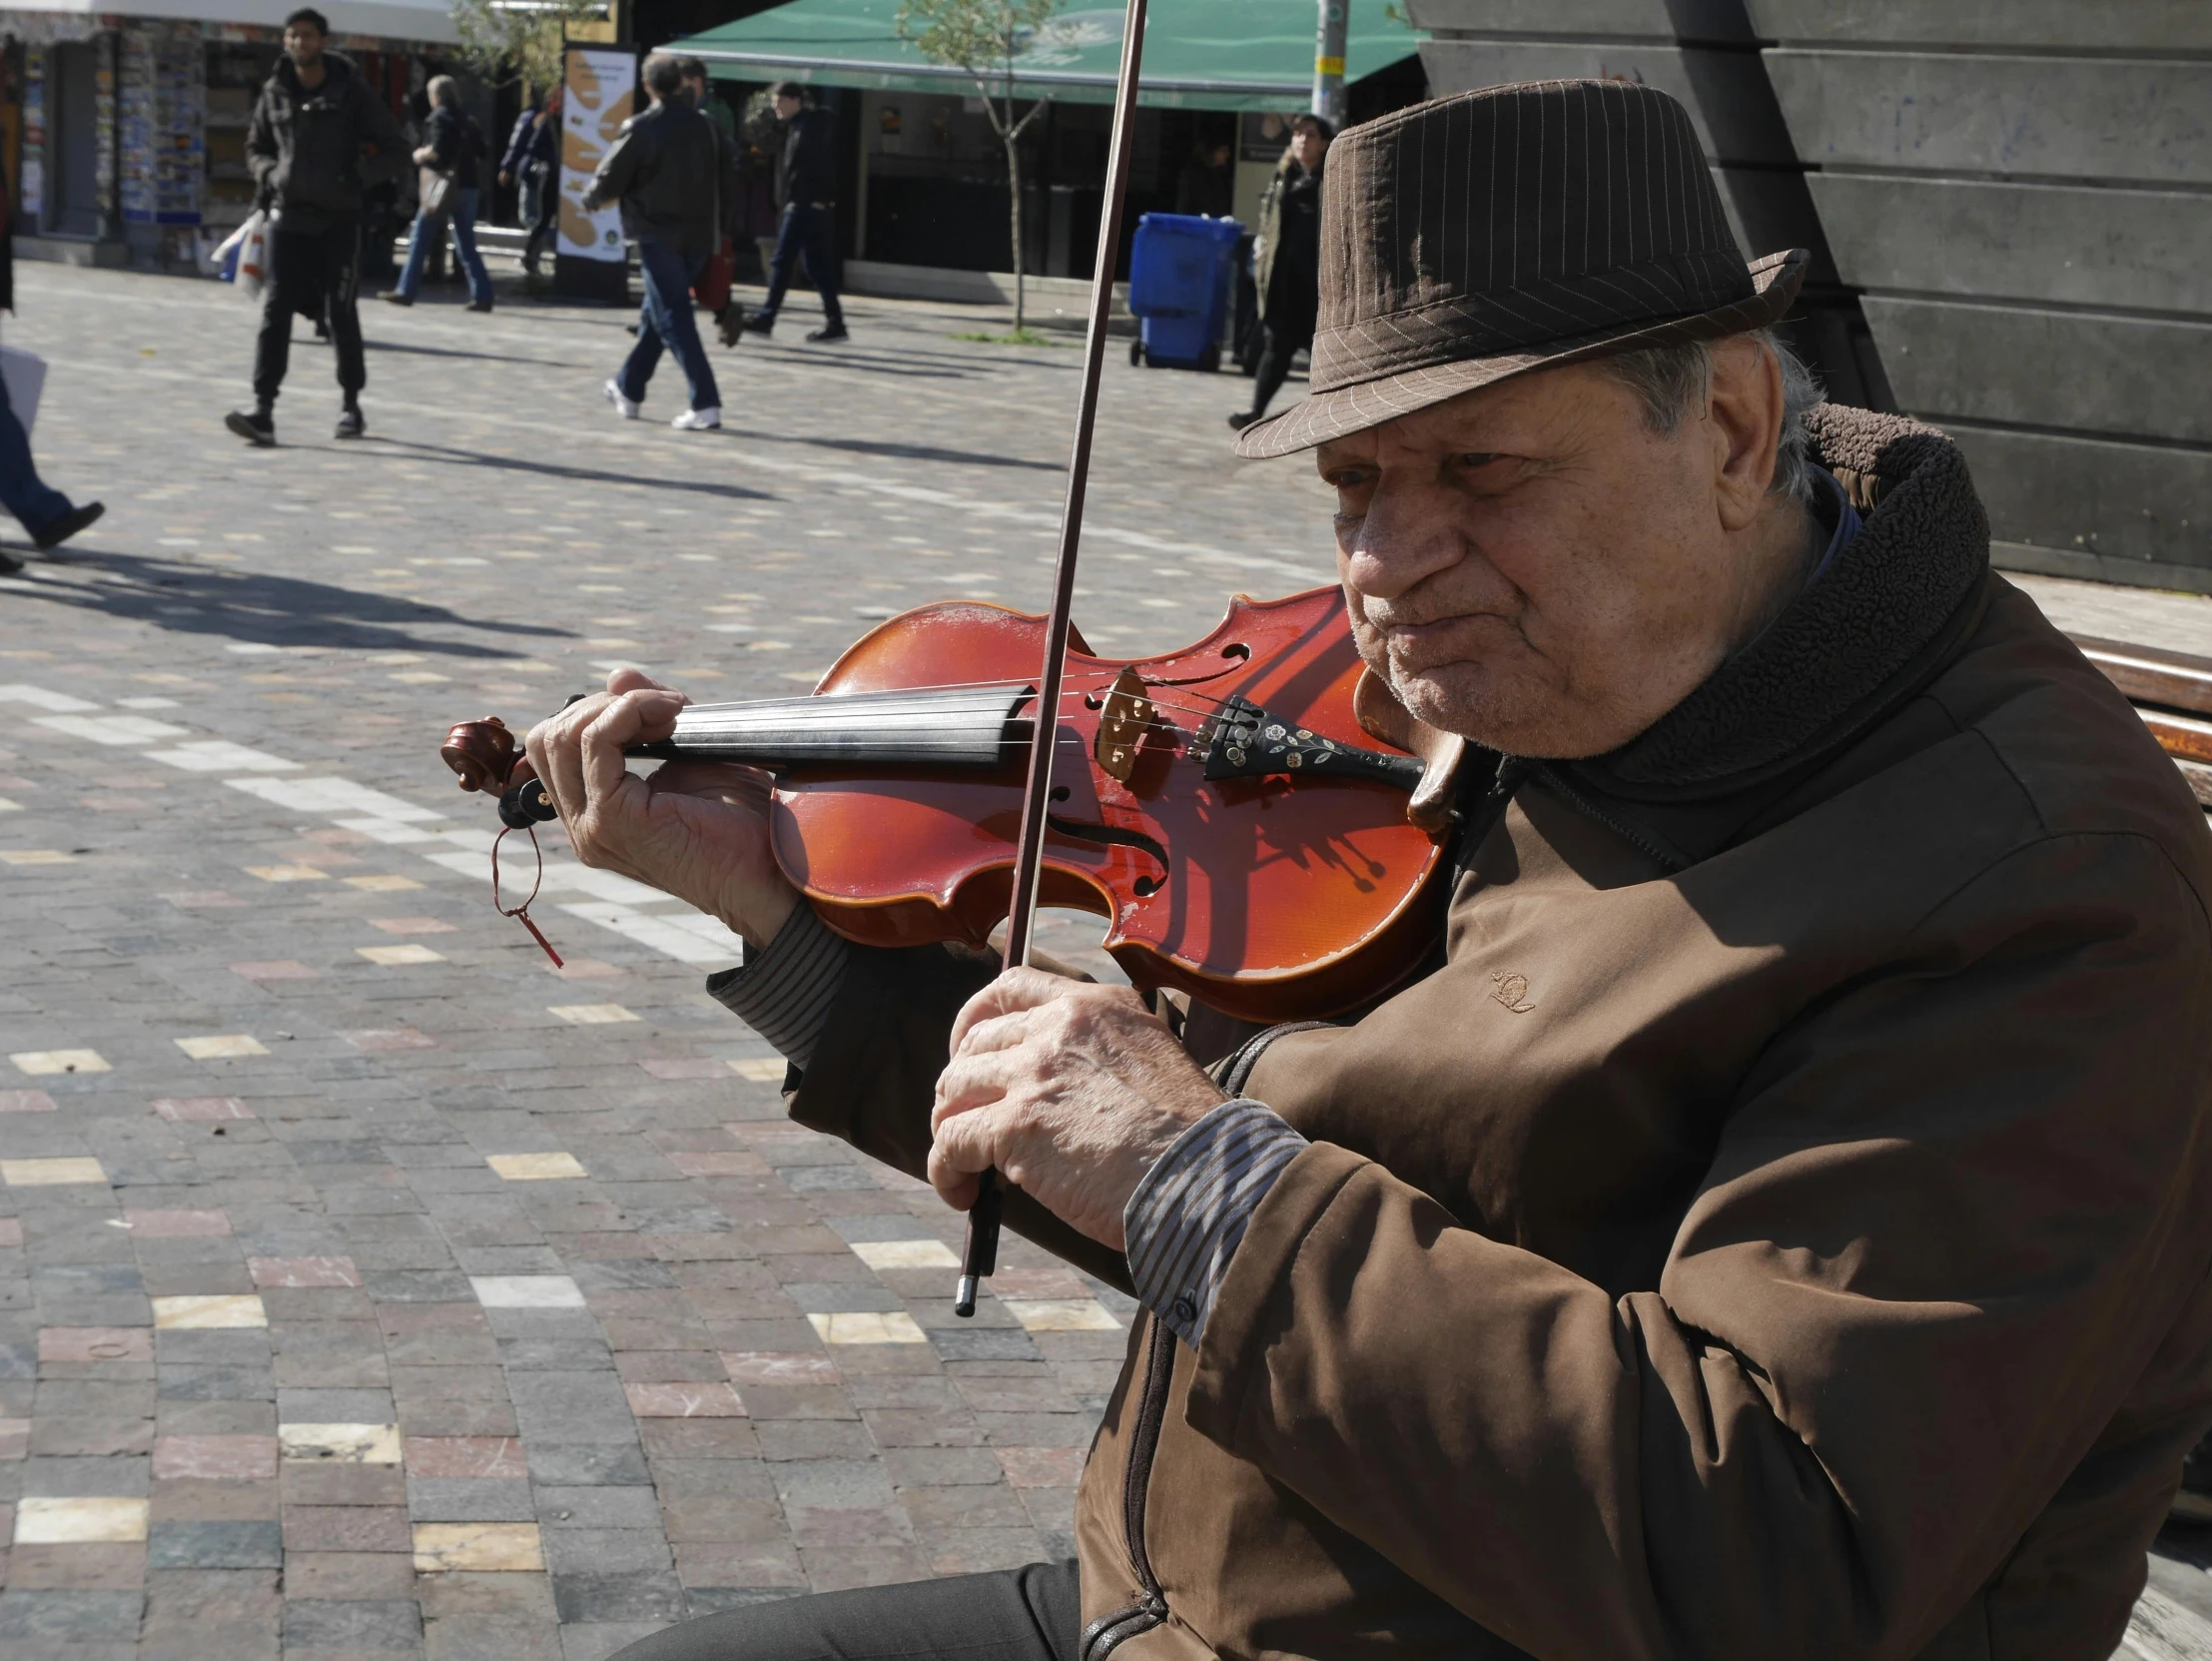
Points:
1198	54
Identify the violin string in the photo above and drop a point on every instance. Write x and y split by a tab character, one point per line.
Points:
829	701
826	711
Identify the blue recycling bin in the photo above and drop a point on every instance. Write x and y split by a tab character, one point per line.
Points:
1181	274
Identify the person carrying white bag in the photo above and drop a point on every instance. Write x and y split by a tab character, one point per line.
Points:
243	255
50	518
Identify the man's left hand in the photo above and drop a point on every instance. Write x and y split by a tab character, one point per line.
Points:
1071	1092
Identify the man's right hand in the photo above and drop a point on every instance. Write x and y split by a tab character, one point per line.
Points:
698	830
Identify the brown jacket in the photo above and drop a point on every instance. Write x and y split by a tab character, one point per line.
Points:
1778	1228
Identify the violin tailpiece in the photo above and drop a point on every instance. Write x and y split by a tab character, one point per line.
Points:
1244	741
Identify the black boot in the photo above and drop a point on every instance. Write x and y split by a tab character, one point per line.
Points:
258	428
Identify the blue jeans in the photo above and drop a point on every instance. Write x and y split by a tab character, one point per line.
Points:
666	322
462	209
809	233
22	493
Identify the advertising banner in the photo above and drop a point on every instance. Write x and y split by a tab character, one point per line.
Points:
600	93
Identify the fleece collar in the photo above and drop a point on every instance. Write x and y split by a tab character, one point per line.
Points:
1890	609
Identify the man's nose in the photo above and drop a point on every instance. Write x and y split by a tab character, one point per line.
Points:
1406	536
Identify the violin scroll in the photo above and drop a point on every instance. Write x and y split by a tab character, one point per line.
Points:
486	757
482	753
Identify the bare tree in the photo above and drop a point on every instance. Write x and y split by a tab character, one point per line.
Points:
521	40
983	37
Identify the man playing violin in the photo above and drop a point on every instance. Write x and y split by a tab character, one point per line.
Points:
1777	1221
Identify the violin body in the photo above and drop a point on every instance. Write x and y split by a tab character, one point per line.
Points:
1276	895
1223	807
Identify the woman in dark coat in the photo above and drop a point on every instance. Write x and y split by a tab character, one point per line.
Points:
1289	261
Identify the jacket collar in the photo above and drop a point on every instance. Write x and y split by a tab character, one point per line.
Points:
1885	617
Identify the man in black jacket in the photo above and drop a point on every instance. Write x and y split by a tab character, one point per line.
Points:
806	194
304	147
676	178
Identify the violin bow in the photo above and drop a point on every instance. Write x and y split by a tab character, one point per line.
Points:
979	1257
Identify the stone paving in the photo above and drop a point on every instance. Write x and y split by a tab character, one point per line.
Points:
368	1287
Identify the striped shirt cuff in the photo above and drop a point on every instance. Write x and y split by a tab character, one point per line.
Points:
1187	1216
785	992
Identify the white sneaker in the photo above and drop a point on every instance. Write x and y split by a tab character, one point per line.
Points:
698	421
626	408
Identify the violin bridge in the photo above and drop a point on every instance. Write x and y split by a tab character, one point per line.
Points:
1123	719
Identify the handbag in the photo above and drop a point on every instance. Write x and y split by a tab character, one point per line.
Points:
435	190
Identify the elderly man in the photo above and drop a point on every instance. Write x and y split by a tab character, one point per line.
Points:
1777	1224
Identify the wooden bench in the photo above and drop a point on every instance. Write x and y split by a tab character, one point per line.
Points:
2172	691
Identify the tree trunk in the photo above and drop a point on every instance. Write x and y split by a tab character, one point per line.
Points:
1014	191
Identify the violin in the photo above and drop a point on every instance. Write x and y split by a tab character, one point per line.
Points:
1247	813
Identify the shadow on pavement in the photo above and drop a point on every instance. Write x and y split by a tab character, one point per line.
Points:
252	607
453	456
904	452
414	350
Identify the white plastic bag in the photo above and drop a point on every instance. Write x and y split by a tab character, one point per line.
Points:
243	257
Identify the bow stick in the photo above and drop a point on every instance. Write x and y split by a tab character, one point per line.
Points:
980	1257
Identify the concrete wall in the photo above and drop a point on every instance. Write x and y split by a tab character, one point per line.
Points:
1705	53
2023	192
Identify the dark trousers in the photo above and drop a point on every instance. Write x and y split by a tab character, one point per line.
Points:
1025	1614
26	495
810	233
541	228
1275	351
666	321
318	273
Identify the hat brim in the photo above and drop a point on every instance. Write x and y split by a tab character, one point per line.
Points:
1343	411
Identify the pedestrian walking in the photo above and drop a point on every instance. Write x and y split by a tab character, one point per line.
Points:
311	123
1207	183
510	163
712	289
49	517
451	158
805	196
534	157
1289	261
675	178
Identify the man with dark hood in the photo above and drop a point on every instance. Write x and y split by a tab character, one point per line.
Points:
1773	1221
312	124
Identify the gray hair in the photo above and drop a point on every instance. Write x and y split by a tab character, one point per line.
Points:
1673	381
444	91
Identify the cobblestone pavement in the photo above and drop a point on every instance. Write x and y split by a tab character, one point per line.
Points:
368	1289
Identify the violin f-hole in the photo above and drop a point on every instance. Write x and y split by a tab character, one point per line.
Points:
1076	830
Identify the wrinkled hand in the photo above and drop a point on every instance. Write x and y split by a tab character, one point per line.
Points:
1070	1091
698	830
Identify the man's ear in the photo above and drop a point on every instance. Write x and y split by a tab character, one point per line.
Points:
1746	409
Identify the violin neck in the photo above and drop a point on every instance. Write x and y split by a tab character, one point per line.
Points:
951	727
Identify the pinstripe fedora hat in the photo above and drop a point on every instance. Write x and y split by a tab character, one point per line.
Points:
1508	230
